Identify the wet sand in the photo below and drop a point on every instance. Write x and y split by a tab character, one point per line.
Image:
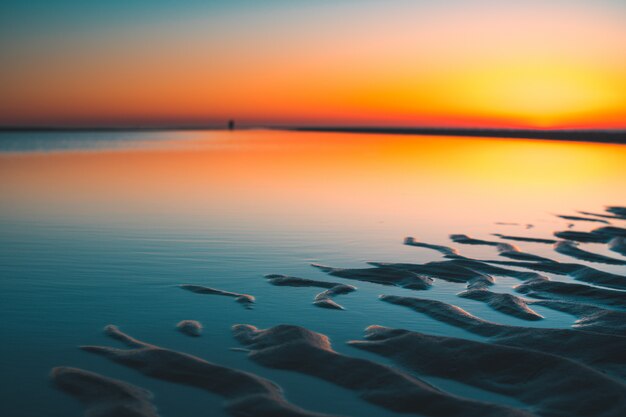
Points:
578	371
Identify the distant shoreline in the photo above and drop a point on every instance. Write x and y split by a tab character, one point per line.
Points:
586	135
602	136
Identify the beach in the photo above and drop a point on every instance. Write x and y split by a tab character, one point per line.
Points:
312	273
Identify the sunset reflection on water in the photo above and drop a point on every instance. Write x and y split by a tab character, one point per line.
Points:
277	178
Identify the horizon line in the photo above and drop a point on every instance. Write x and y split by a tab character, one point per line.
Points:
616	136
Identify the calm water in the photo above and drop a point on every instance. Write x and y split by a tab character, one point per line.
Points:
100	228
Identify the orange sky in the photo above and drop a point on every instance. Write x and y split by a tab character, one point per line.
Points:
510	64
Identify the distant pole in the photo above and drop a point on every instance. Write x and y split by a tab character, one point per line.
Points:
231	124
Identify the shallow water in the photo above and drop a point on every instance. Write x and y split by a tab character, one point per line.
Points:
100	228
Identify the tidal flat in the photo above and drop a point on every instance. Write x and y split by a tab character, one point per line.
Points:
457	276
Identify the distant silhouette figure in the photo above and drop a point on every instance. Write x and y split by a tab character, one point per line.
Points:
231	125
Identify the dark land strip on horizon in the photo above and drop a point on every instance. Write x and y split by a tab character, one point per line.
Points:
587	135
605	136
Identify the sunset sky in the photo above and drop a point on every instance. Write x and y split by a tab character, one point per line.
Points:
531	63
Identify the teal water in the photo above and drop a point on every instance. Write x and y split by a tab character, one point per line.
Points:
67	271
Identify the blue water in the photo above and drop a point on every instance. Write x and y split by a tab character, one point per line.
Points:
62	281
53	141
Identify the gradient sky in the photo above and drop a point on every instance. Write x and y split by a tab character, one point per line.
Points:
531	63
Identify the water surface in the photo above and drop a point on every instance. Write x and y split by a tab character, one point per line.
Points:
100	228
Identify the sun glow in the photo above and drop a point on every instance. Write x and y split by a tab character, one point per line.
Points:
509	64
540	96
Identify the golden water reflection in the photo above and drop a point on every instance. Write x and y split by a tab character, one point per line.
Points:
293	179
